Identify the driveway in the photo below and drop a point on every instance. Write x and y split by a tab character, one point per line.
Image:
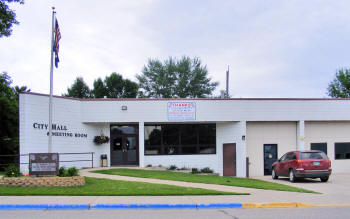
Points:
336	190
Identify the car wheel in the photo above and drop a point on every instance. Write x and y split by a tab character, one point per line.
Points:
291	176
324	179
274	175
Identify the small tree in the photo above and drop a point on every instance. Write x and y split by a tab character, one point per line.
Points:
340	86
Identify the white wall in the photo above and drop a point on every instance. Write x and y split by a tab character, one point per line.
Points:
66	112
259	133
231	132
330	133
148	110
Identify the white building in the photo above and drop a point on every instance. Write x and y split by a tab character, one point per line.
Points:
215	133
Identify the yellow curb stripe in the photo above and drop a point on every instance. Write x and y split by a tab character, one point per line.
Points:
290	205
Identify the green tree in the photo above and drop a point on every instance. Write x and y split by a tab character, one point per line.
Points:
8	117
340	86
175	78
99	90
17	90
79	89
114	86
7	17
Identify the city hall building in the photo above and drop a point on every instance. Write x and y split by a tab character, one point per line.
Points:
234	137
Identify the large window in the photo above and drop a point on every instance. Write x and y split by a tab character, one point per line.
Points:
342	150
175	139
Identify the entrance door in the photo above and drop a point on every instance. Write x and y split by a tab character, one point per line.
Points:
229	155
124	145
270	156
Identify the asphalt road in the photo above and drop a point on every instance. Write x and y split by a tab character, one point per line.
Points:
285	213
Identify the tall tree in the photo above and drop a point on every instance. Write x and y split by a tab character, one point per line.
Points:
99	90
8	117
175	78
79	89
340	86
7	17
114	86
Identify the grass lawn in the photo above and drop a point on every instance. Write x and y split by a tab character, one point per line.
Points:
107	187
188	177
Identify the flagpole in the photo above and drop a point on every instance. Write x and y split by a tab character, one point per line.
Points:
51	81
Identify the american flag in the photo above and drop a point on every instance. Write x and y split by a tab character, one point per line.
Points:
56	45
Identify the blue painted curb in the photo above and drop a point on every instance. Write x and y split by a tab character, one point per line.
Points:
68	207
117	206
144	206
23	207
220	205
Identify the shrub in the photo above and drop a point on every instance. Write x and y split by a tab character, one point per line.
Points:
62	172
73	171
149	165
12	171
207	170
172	167
194	170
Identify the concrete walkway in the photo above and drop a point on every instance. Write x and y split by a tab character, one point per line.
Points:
334	192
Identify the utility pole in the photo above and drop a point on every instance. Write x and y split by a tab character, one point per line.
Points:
227	80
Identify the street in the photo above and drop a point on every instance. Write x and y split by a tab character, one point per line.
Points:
318	212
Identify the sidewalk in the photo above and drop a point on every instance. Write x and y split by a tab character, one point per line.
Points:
339	195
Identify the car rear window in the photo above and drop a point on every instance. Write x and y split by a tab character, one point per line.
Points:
312	155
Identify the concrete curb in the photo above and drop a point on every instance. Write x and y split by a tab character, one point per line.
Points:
162	206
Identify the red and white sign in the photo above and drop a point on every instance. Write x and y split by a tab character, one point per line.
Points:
181	111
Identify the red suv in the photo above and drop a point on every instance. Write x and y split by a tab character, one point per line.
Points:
303	164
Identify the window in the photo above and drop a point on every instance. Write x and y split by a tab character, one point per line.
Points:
284	157
342	150
312	155
291	156
176	139
319	147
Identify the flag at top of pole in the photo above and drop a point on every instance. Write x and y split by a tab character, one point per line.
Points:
56	45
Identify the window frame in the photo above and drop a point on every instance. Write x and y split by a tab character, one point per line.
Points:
346	154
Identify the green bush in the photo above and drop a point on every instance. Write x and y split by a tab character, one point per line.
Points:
63	172
72	171
194	170
172	167
12	171
149	165
207	170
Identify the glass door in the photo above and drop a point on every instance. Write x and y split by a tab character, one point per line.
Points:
124	145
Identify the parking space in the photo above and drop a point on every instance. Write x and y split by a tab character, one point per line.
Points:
337	185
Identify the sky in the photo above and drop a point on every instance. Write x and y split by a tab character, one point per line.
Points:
279	48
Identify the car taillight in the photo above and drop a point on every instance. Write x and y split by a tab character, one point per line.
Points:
330	163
